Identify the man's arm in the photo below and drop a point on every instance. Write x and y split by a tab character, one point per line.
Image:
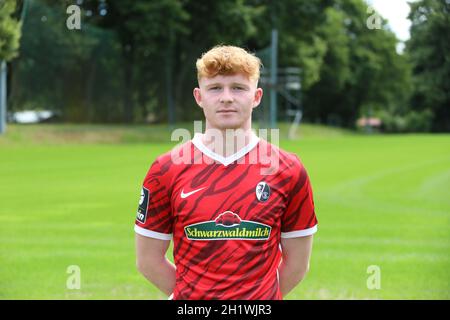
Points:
151	261
295	262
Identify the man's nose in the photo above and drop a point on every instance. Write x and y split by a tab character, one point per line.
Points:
226	96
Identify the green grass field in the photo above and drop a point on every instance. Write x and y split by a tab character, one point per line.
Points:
68	196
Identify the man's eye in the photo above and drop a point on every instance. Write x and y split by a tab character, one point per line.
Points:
238	88
214	88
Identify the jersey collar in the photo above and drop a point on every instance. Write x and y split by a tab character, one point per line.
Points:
197	141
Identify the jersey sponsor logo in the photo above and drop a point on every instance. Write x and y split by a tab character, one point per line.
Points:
228	225
143	205
185	195
262	191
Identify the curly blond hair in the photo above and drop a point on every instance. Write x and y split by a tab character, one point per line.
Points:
228	60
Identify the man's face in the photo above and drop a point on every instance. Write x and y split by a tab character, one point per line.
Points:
228	101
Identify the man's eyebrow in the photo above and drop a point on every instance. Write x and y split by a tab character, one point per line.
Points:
240	84
213	84
218	84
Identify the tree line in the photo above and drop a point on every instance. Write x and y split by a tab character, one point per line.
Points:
134	60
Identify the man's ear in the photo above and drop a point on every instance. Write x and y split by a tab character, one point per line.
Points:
258	97
198	96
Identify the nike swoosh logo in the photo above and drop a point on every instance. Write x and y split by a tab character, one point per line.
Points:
185	195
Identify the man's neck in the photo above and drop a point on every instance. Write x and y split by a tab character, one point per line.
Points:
227	142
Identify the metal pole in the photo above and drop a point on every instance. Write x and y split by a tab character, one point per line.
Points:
24	10
2	97
273	78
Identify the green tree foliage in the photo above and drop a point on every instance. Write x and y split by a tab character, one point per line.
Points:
66	70
160	41
133	58
9	30
429	52
361	73
146	31
300	44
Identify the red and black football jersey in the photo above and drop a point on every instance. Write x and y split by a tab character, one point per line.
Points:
226	216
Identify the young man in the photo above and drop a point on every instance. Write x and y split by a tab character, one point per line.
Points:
240	230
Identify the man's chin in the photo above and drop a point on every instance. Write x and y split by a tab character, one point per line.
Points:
231	126
227	124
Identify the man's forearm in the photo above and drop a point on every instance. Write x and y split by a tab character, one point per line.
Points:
290	277
162	275
295	262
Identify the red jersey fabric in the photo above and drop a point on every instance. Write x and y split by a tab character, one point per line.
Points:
226	217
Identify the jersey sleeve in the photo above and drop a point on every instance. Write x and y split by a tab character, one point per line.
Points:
154	215
299	219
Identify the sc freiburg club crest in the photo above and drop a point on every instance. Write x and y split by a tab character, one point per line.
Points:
262	191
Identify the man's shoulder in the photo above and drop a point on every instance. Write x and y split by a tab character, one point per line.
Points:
290	159
173	159
177	151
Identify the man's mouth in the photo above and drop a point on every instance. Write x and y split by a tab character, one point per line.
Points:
226	111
